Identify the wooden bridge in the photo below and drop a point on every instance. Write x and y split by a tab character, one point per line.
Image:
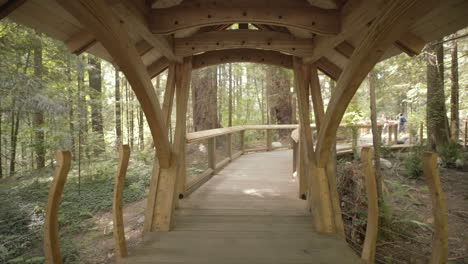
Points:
247	213
343	39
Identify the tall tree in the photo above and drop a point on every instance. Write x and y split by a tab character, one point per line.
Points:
437	122
141	137
279	96
39	114
95	83
230	96
454	98
204	99
118	115
71	117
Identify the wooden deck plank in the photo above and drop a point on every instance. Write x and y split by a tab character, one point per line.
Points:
247	213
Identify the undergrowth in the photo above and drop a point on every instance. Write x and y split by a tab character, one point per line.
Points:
23	208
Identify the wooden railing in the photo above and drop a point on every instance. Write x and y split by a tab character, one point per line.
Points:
214	165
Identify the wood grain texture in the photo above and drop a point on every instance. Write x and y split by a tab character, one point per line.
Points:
439	209
236	39
372	229
117	205
51	235
316	20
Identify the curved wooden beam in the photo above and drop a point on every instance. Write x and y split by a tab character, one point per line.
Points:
228	56
234	39
242	55
95	15
387	28
316	20
51	237
119	231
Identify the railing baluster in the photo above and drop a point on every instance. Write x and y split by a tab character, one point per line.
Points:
229	145
119	232
51	236
421	131
212	153
269	139
368	250
439	209
242	142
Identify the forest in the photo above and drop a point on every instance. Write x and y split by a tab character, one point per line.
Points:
52	100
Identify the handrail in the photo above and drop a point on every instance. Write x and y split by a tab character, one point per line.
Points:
295	133
51	237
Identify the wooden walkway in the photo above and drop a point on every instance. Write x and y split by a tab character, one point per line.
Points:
247	213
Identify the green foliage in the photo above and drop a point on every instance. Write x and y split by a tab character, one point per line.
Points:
413	163
450	153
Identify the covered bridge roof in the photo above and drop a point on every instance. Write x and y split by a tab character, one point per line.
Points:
321	31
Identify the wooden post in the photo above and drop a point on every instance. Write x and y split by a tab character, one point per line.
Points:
389	131
396	133
368	249
242	144
119	232
51	237
229	146
421	131
410	131
295	155
167	181
269	139
212	153
302	169
439	209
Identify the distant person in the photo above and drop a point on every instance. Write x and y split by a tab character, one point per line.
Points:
401	123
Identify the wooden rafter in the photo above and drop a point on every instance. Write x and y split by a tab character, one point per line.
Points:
320	21
386	29
136	20
410	44
80	42
329	68
233	39
9	7
112	34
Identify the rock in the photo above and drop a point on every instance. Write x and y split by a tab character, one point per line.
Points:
459	163
276	144
385	163
141	219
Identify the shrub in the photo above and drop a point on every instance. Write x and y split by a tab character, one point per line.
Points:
413	163
449	153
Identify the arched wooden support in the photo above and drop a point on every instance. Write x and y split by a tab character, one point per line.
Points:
319	189
370	242
169	95
242	55
216	57
163	191
387	28
439	209
117	213
235	39
316	20
113	35
51	236
319	113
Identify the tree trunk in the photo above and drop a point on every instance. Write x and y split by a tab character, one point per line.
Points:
437	122
140	129
118	115
375	132
204	99
70	108
230	97
454	98
132	120
14	139
279	96
39	115
95	83
1	139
